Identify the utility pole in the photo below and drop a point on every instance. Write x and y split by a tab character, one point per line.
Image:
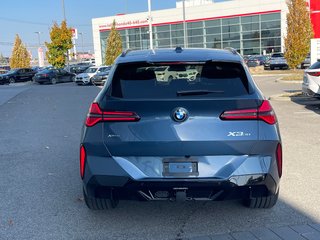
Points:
64	11
82	48
38	33
150	25
185	35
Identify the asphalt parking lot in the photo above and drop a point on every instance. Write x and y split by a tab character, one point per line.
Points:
40	187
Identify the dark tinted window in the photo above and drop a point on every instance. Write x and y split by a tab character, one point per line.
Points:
275	55
316	65
140	80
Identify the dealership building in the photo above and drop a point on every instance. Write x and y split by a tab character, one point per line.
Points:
250	26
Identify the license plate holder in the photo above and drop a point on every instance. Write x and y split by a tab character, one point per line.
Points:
180	168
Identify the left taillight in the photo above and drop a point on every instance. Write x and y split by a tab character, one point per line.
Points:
264	113
83	157
96	115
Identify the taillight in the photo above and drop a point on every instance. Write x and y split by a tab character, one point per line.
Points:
314	74
96	115
83	157
264	113
279	159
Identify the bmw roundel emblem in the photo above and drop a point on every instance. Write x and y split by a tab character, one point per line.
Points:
180	114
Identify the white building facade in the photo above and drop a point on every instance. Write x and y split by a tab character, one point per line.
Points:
250	26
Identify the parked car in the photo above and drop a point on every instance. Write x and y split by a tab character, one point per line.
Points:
255	61
167	74
212	139
311	80
86	77
101	77
53	76
3	71
18	75
277	60
306	62
78	68
246	58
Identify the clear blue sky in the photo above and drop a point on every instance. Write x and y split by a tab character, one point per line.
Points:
24	17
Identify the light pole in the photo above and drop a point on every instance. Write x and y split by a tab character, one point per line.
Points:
63	11
185	36
38	33
150	25
81	34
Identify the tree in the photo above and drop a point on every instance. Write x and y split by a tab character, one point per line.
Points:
3	61
114	45
61	42
299	33
20	57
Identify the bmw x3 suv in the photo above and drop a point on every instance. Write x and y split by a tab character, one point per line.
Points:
216	138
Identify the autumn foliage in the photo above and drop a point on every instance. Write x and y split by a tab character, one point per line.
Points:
114	45
61	42
20	57
299	33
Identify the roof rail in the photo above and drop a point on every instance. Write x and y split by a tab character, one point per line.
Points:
125	52
178	49
232	50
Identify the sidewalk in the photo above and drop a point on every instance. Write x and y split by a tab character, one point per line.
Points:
294	232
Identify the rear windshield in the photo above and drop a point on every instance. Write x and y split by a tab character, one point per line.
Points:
176	80
316	65
277	55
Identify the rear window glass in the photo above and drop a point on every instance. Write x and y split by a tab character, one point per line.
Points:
176	80
276	55
316	65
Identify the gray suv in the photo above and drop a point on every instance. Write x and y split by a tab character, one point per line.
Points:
150	138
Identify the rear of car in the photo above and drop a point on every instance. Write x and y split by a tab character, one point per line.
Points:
102	76
311	81
255	61
277	61
150	138
45	76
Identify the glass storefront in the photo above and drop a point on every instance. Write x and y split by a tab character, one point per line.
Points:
249	34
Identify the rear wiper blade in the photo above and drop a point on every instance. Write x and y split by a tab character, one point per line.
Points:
197	92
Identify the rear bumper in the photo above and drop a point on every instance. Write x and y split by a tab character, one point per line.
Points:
125	179
239	187
280	65
311	88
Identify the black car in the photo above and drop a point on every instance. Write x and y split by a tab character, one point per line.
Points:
210	138
53	76
101	77
17	75
78	68
255	61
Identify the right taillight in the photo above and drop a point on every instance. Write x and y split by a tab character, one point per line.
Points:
264	113
279	159
96	115
314	74
83	156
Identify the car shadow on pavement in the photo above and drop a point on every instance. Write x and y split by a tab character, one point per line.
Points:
185	220
310	103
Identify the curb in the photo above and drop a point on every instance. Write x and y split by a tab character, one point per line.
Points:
288	81
279	97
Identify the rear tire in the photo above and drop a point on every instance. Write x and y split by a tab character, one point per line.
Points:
53	81
12	80
262	202
99	203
